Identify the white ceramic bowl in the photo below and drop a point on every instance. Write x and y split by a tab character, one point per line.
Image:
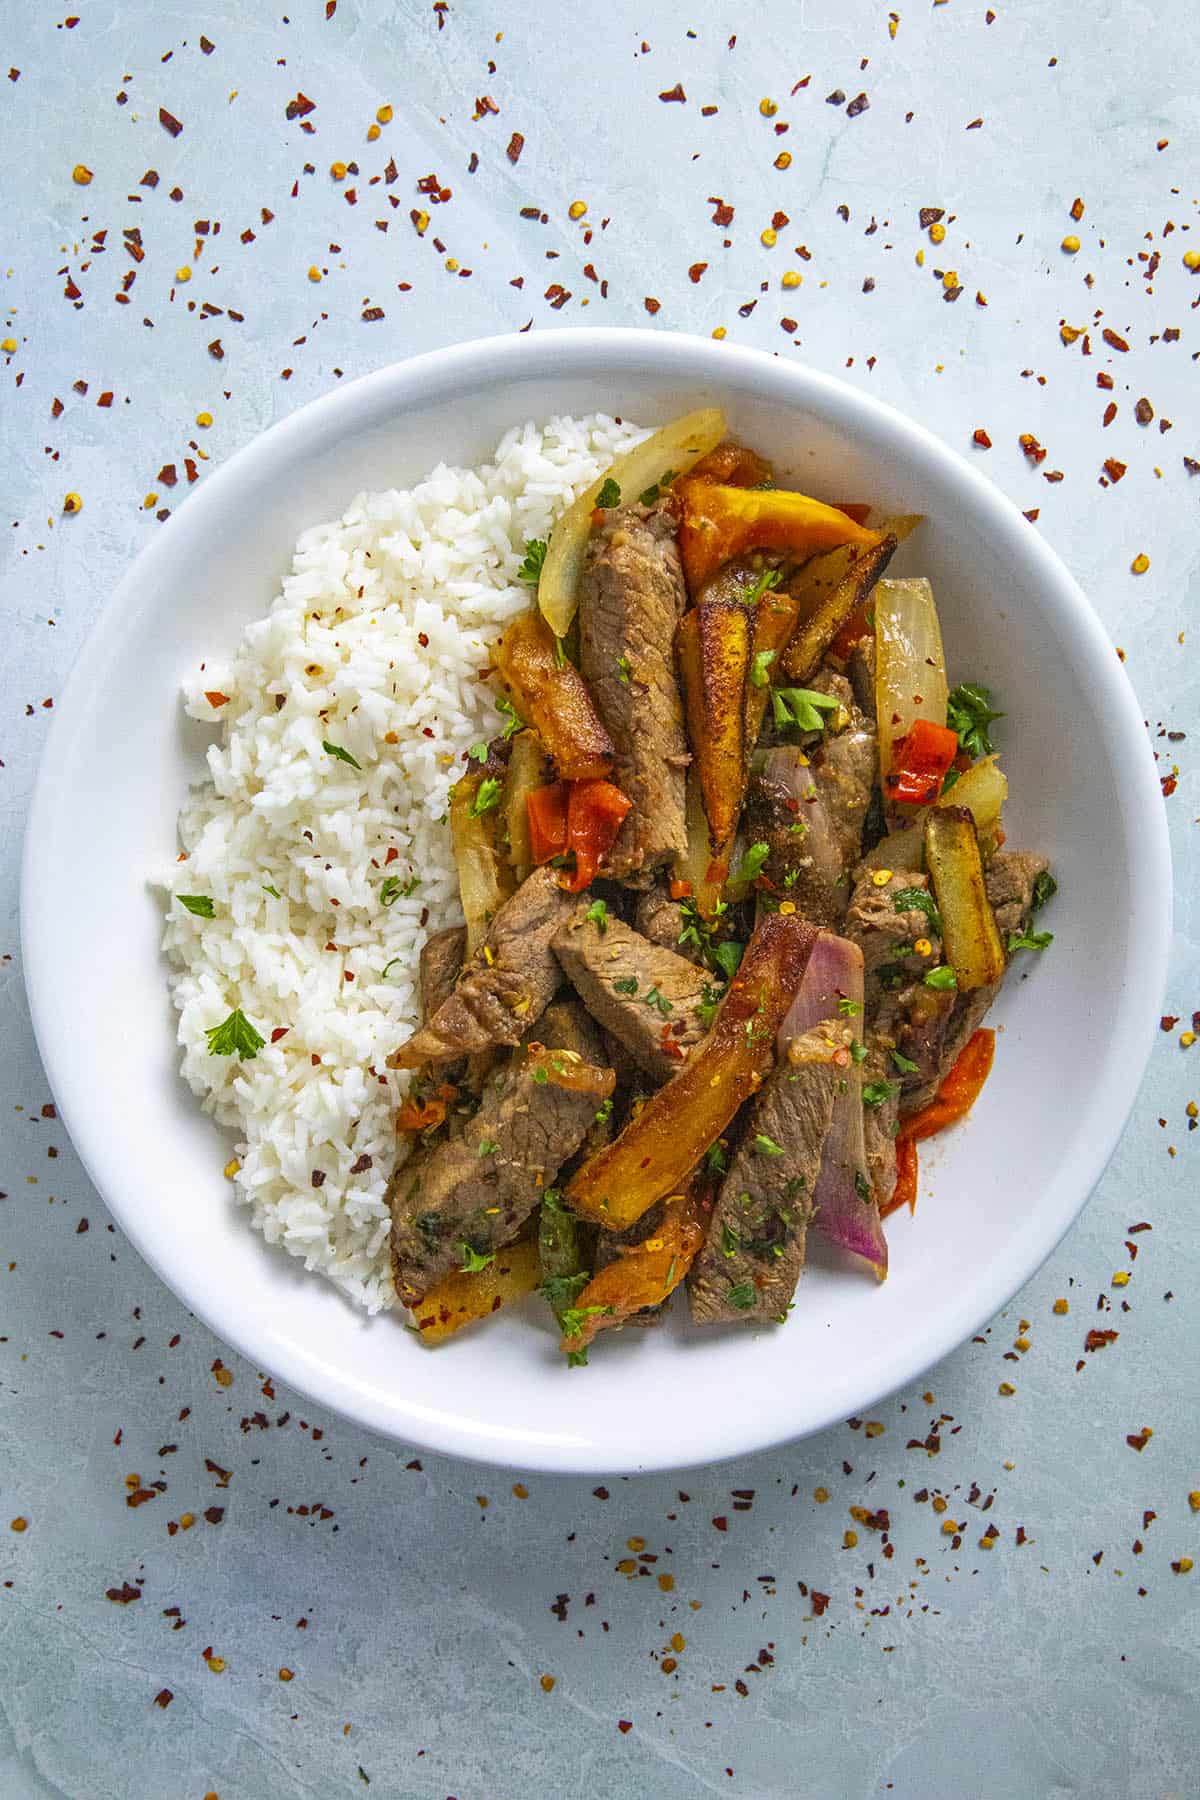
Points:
997	1194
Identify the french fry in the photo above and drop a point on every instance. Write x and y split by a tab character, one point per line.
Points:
463	1297
643	1274
550	691
658	1150
712	646
721	522
969	935
775	618
983	789
828	589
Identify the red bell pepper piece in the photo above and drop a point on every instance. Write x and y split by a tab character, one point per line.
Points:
905	1191
920	761
595	810
547	811
958	1093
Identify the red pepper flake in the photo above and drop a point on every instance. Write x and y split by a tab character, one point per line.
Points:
694	272
215	697
105	399
1033	450
163	1698
1104	379
167	475
1138	1440
169	122
139	1496
280	1031
214	1514
1143	412
624	1725
1096	1340
1113	340
371	314
123	1595
81	1228
318	1178
299	107
720	1523
516	144
675	93
652	306
1110	413
723	214
931	215
1033	514
1168	784
1114	469
708	112
1053	475
217	350
981	438
788	325
859	104
819	1602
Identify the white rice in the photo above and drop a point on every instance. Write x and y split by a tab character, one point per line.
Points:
375	644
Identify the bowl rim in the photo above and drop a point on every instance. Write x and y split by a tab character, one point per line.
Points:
456	368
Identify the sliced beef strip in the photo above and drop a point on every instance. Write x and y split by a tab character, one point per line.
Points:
754	1252
505	987
1009	879
477	1190
647	997
786	811
441	959
845	764
885	936
662	920
566	1024
632	597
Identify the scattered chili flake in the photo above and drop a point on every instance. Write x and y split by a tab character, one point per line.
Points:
1143	412
696	271
675	93
163	1698
981	438
299	107
624	1725
169	122
1112	468
516	144
859	104
123	1595
723	214
652	305
1140	563
19	1524
1033	450
1097	1340
1138	1440
1113	340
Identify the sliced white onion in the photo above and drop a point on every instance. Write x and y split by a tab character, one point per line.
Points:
910	665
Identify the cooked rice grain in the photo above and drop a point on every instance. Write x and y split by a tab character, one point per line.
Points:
375	646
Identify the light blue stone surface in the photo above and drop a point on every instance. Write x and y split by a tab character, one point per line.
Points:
1064	1665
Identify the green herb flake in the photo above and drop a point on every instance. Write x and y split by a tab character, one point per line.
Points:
597	912
561	1290
770	578
199	904
905	1063
390	965
487	795
394	888
920	900
1028	940
730	1241
969	712
604	1111
943	977
513	720
715	1159
623	670
535	555
858	1054
472	1261
727	957
802	707
478	752
1044	888
487	1147
273	891
751	865
572	1318
847	1008
609	495
760	666
766	1146
706	1006
540	1076
342	755
659	1002
234	1036
628	985
862	1187
743	1295
875	1093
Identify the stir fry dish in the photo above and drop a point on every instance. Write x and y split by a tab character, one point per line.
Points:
737	899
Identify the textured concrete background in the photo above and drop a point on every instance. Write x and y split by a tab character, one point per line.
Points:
345	1616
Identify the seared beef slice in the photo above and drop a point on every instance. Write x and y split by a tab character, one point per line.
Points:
507	985
632	597
441	960
646	997
752	1258
476	1191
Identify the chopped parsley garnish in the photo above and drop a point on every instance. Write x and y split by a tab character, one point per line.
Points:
478	752
627	986
742	1295
394	889
273	891
905	1063
572	1317
969	712
597	912
876	1092
535	555
791	878
609	495
342	755
714	1158
730	1241
390	965
751	865
487	795
540	1075
766	1146
513	721
919	900
770	578
801	707
858	1054
1044	888
727	957
472	1262
1028	940
847	1008
649	495
948	780
862	1187
759	667
706	1006
234	1036
487	1147
560	1290
200	904
623	670
943	977
659	1002
603	1115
